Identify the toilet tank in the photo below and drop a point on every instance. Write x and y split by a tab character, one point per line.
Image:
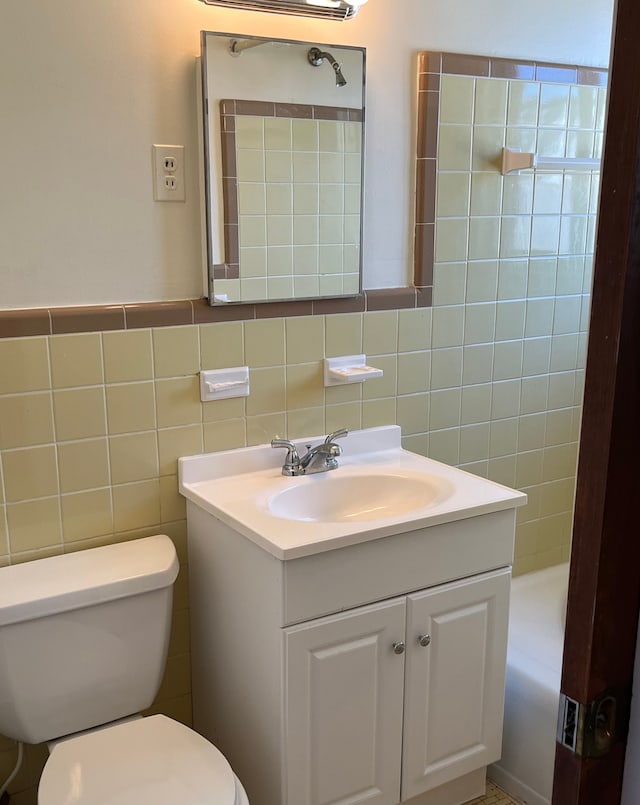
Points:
83	637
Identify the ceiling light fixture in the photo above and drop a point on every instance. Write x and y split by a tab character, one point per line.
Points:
323	9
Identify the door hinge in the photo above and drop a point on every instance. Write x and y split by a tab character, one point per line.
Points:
591	729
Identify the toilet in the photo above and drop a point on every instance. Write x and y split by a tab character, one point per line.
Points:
83	641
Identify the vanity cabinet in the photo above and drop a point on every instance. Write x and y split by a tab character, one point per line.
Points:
372	673
386	702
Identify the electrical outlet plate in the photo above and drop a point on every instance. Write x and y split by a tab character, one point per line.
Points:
168	172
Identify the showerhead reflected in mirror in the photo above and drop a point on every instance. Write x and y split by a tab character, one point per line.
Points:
284	131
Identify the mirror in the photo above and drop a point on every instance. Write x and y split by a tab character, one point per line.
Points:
284	137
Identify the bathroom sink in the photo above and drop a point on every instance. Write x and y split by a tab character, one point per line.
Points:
336	498
378	489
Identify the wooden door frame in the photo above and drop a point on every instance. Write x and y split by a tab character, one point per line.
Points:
604	587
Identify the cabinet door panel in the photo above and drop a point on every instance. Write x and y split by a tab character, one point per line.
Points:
454	694
344	703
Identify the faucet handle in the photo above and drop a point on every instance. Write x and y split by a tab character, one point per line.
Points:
338	434
292	451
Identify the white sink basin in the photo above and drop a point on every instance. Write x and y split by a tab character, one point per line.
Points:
377	490
336	498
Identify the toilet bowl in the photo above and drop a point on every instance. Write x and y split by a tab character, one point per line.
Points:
84	640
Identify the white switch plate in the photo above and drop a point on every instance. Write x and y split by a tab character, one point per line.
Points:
168	172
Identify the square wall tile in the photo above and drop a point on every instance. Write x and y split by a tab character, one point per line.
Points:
131	407
385	386
178	401
79	413
542	276
133	457
454	148
343	415
250	165
305	386
176	442
451	239
305	422
444	445
484	238
136	505
488	141
83	465
412	413
86	515
26	419
449	283
517	197
547	194
76	360
264	342
486	194
30	473
534	394
277	133
482	281
456	99
477	364
227	434
446	368
453	194
524	97
380	332
414	329
507	360
448	326
476	404
445	408
267	391
127	355
413	372
474	442
554	105
25	365
503	437
491	101
343	334
583	107
25	521
249	131
376	413
176	351
221	345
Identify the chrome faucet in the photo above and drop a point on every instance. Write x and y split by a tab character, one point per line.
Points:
321	458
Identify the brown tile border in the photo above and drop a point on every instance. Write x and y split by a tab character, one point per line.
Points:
86	319
432	65
95	318
16	323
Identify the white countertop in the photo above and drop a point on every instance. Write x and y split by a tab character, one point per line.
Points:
235	487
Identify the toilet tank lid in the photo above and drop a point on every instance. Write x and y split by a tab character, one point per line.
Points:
60	583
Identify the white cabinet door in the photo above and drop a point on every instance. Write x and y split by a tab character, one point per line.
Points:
454	690
343	700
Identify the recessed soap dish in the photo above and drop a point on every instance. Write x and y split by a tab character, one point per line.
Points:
348	369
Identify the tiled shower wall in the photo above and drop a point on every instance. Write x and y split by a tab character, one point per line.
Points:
512	272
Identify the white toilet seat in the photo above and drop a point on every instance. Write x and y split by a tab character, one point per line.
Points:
148	760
